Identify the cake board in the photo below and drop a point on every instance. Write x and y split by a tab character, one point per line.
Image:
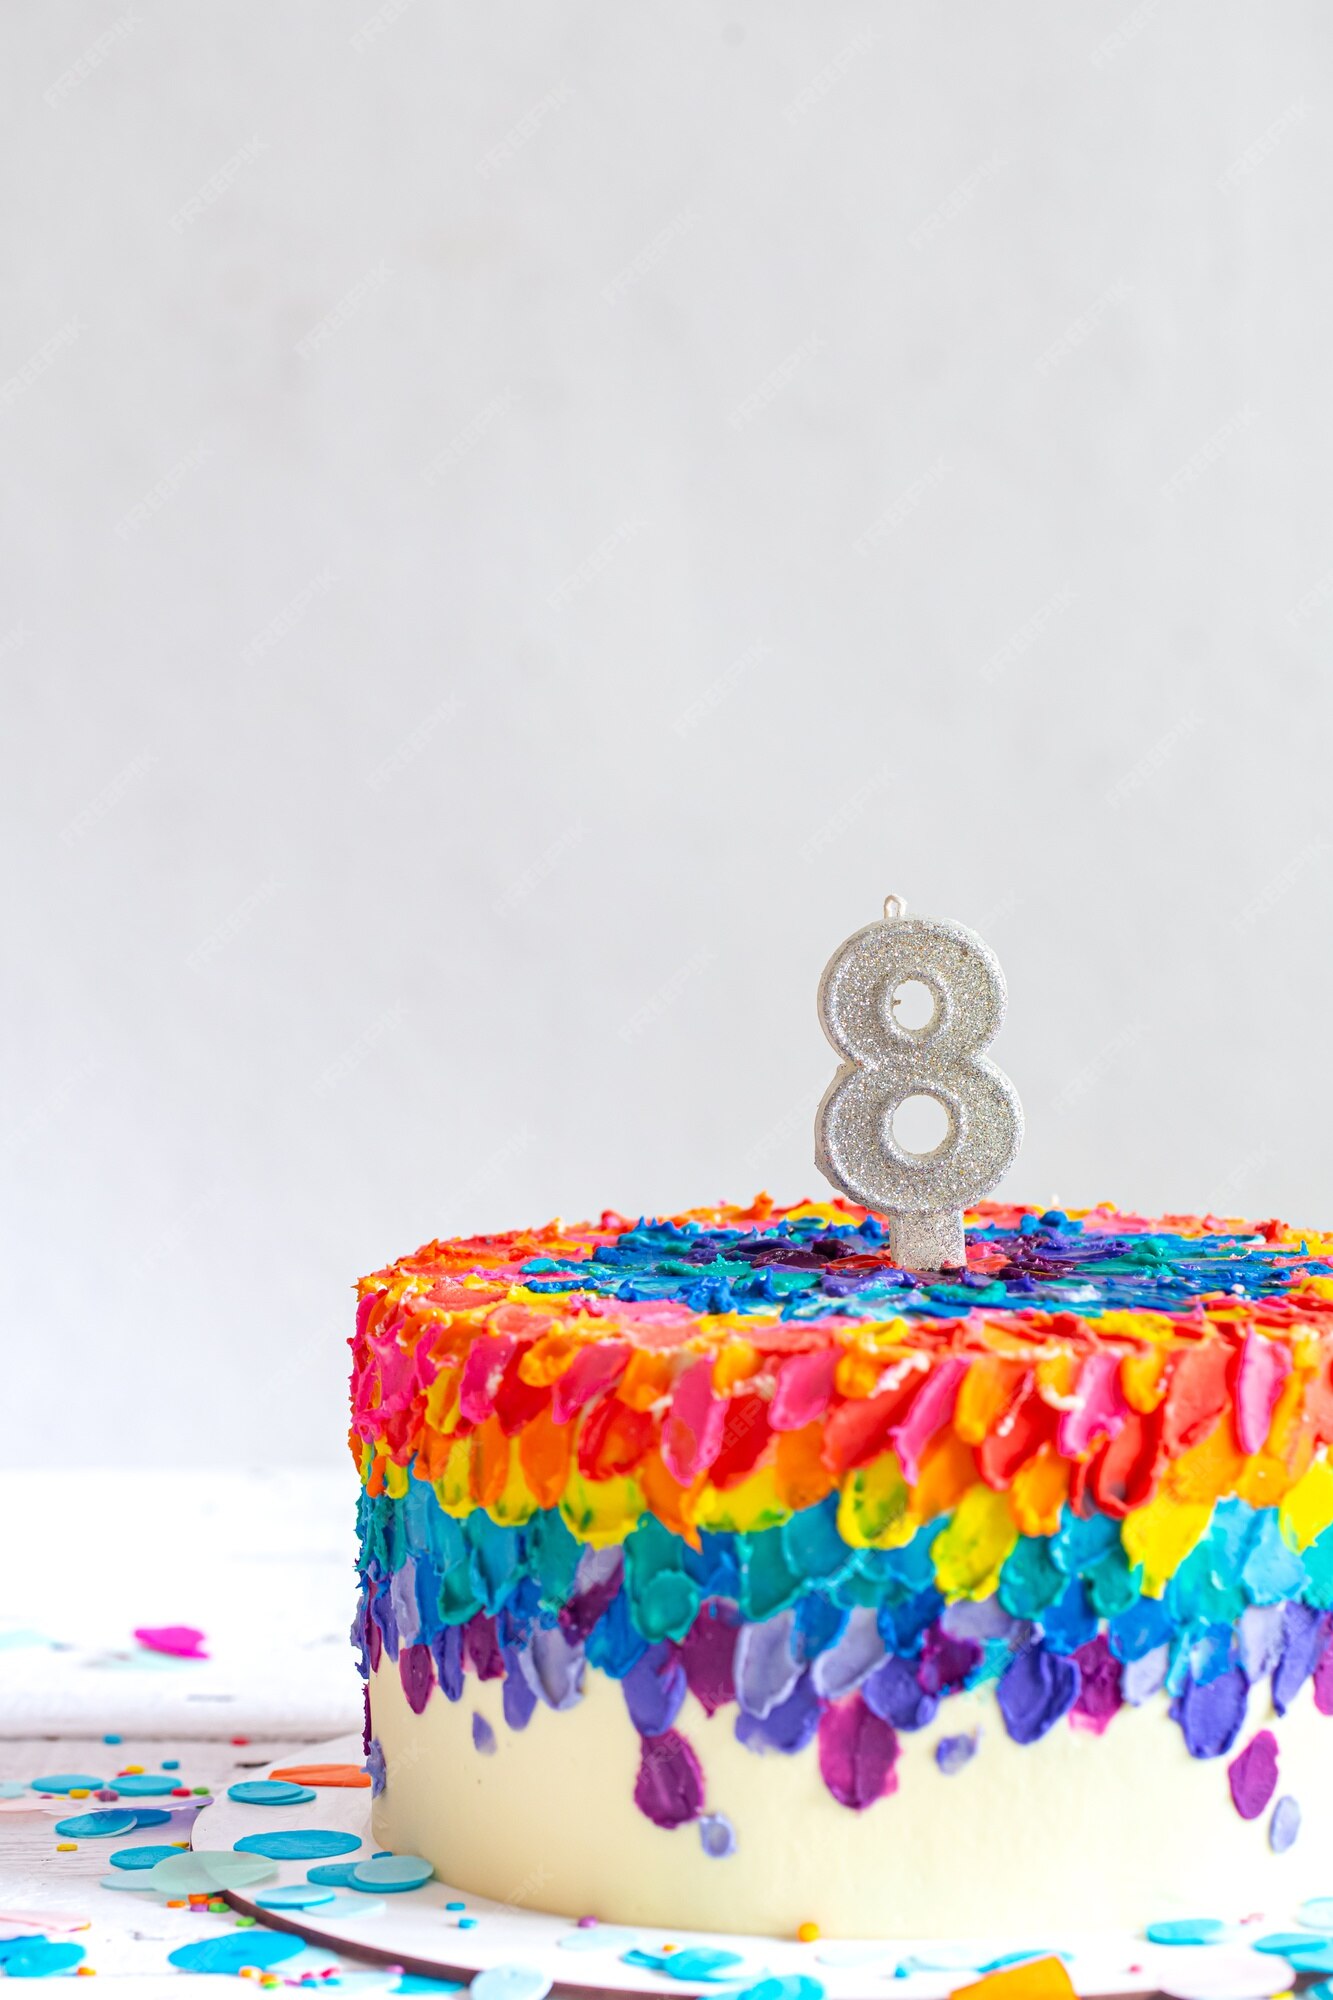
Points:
418	1931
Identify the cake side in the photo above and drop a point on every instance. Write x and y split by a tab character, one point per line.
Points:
791	1531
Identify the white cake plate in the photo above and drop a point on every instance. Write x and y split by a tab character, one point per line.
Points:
415	1930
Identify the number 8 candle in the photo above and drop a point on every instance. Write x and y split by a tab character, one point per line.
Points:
885	1063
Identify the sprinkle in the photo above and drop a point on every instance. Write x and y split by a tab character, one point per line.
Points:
807	1933
66	1847
112	1739
463	1906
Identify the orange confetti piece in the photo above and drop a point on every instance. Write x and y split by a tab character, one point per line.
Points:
1038	1979
324	1774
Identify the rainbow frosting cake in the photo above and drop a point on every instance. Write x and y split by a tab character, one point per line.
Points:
716	1572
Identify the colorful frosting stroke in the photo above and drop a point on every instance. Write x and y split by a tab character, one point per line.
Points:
738	1453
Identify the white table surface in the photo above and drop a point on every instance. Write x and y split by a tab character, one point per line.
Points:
262	1563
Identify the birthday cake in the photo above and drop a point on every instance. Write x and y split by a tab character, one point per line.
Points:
716	1571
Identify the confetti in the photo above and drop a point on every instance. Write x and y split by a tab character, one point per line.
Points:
96	1825
269	1792
303	1843
294	1896
232	1950
208	1868
182	1642
1186	1930
392	1873
511	1982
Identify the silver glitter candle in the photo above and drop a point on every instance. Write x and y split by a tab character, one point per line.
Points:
885	1063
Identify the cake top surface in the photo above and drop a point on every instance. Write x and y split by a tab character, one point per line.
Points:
822	1270
725	1368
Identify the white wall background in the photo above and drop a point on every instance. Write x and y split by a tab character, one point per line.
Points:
523	523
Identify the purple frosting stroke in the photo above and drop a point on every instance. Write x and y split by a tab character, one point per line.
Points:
895	1695
788	1727
847	1662
447	1652
670	1784
1252	1775
708	1652
417	1676
1034	1691
767	1668
857	1753
654	1689
1211	1716
1304	1637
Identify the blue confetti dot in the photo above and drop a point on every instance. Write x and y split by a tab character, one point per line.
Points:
39	1957
1280	1942
67	1781
145	1785
467	1923
392	1873
511	1982
113	1739
233	1949
268	1792
795	1986
295	1896
455	1906
1186	1930
1316	1955
150	1816
171	1763
333	1874
297	1843
147	1856
96	1825
702	1962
